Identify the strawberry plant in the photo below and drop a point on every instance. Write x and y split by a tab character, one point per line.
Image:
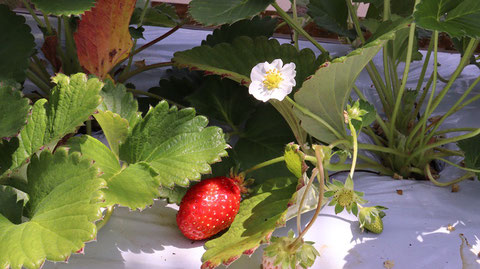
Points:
277	120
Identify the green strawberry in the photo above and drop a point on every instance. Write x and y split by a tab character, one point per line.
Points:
370	218
375	226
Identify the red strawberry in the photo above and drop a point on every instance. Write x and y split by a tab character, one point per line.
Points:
209	207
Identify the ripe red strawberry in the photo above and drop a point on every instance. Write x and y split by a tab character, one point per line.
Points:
209	207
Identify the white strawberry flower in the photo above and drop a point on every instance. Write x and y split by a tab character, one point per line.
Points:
272	80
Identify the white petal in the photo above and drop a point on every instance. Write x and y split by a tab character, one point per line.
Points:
267	67
277	64
258	91
288	67
257	73
281	92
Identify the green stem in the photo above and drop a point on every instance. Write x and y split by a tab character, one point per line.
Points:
371	147
356	22
457	166
105	219
300	206
38	82
156	40
442	142
158	97
466	57
422	98
41	69
298	28
452	108
466	103
295	18
32	12
353	132
315	117
399	97
264	164
321	180
125	76
454	130
70	46
47	23
425	65
386	10
140	23
428	173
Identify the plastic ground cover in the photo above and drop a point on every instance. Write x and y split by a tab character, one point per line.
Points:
415	234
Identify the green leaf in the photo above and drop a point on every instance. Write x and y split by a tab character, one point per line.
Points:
216	12
331	15
471	149
17	45
64	7
325	94
237	59
135	187
219	99
368	118
13	109
10	206
265	136
118	100
256	220
456	17
163	15
95	150
71	102
63	206
257	26
175	143
295	160
173	195
114	127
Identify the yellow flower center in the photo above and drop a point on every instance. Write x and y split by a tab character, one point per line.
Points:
272	79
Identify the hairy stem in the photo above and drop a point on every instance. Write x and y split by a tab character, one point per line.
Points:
321	180
300	206
298	28
315	117
264	164
429	175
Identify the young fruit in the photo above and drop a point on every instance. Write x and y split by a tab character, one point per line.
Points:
209	207
375	226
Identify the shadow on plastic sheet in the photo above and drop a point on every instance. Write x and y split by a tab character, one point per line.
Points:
148	231
416	233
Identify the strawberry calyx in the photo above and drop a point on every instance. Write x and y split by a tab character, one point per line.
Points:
287	252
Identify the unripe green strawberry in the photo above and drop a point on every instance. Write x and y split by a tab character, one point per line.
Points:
209	207
375	226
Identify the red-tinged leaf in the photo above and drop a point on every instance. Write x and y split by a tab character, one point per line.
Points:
103	39
49	49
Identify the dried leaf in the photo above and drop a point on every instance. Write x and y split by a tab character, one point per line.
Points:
450	228
455	188
49	49
400	192
103	38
